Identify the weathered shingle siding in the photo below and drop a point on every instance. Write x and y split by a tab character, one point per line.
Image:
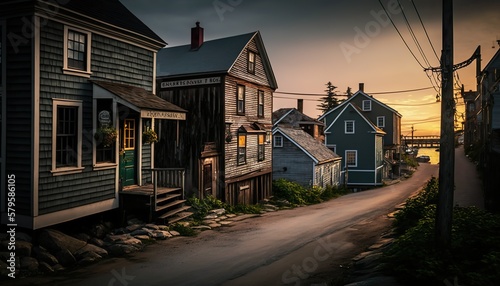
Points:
299	166
110	60
240	68
331	174
18	101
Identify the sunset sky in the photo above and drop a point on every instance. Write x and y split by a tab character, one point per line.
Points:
346	42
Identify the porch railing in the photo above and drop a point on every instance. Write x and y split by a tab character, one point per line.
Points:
166	178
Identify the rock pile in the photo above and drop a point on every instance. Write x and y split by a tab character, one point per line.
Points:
51	250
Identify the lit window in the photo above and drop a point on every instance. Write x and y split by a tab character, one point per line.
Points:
242	148
351	157
349	127
67	135
381	121
105	151
77	49
241	100
278	141
260	105
251	62
261	147
367	105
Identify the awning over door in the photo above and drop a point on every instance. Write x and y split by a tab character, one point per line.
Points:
139	99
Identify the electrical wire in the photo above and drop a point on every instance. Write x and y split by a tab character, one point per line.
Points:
425	30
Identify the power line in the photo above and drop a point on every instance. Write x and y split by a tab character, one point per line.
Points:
425	30
372	93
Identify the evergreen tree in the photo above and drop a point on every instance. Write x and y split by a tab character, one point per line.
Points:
329	101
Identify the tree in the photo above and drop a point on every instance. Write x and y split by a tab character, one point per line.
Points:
329	101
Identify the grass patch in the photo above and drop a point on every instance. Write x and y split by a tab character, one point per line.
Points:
297	194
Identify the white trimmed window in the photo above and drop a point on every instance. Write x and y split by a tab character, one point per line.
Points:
260	103
349	127
332	147
66	136
380	121
77	48
351	158
278	141
367	105
240	100
242	148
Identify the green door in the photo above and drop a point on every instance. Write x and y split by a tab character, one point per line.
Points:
127	159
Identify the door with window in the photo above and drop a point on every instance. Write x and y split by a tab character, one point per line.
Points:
128	172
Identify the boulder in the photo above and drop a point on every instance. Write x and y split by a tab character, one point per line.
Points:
96	241
218	211
55	241
58	267
142	237
163	227
89	258
23	248
83	236
152	226
133	227
45	267
121	249
3	269
174	233
210	216
21	236
44	256
117	238
99	231
142	231
133	221
65	257
29	264
90	248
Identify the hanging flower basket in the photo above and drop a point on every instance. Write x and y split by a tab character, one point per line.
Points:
106	136
149	136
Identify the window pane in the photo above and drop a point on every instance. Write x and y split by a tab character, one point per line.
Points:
66	141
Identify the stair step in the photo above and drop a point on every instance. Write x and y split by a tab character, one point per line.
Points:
173	212
162	207
168	197
179	216
161	191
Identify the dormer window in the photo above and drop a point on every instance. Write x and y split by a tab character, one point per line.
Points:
251	62
367	105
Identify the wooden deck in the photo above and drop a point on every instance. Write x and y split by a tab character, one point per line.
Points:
146	190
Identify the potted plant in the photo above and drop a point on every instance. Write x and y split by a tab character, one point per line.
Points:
106	135
149	136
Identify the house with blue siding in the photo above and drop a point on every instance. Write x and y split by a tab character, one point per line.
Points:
298	157
77	93
360	143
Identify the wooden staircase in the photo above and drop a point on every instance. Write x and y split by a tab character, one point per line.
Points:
163	191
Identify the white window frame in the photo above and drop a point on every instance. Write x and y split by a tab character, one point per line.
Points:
353	127
367	105
66	68
356	158
251	59
381	124
73	169
275	137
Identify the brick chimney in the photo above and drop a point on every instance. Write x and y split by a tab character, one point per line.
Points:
361	87
196	37
300	105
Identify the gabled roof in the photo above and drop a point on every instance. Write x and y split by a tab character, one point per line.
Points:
355	108
316	150
293	117
360	93
212	57
104	15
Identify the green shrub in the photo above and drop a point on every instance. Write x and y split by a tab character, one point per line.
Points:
297	194
415	207
183	230
201	207
473	258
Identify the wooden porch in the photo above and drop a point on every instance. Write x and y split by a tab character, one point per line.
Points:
161	195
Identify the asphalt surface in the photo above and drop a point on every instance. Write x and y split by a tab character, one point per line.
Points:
301	246
468	190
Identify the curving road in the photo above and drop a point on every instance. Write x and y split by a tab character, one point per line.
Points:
302	246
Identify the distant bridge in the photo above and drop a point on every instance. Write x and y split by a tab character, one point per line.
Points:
421	141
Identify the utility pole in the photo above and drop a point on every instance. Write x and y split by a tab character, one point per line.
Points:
447	143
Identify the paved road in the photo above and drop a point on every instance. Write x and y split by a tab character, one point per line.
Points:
297	247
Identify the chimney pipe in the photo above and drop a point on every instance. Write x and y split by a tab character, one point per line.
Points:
196	37
300	105
361	87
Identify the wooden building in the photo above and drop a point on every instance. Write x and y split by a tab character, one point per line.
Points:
72	74
295	118
227	85
298	157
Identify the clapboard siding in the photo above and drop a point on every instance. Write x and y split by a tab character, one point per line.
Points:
240	68
18	101
298	165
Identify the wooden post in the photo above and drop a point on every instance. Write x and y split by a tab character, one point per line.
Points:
447	143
